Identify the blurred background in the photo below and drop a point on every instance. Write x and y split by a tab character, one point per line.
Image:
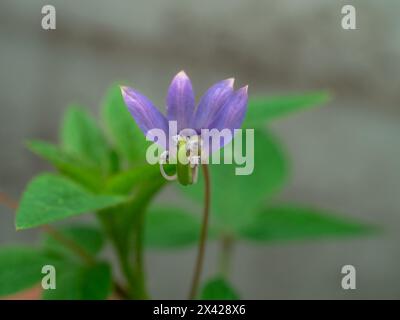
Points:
345	156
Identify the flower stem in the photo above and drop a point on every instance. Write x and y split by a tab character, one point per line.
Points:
225	255
135	289
203	235
54	233
71	244
140	290
120	292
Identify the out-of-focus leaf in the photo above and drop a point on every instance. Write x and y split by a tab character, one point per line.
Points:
235	197
218	289
89	238
170	228
49	198
126	135
263	109
82	138
77	169
124	181
20	268
297	223
119	221
81	283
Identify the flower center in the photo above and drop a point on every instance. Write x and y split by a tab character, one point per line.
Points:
188	158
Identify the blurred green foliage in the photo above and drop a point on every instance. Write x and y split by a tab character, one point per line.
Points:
218	289
102	169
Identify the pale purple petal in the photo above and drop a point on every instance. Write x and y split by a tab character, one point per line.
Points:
146	115
211	102
231	114
180	101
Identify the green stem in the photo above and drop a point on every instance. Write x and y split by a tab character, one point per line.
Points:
225	255
107	220
135	283
203	235
139	291
132	264
124	226
135	272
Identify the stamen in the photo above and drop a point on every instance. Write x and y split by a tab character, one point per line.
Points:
178	138
163	160
194	161
164	157
165	175
194	145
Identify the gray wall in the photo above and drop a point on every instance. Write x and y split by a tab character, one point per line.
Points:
345	156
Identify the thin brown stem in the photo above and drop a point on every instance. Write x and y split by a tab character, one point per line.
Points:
75	247
71	244
8	201
120	292
203	235
54	233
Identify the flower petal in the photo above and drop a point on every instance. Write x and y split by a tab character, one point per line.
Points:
211	102
232	113
180	101
146	115
230	116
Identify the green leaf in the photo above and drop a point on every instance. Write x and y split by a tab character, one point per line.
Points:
129	140
218	289
77	169
81	283
124	181
168	228
263	109
81	137
234	198
20	268
49	198
296	223
89	238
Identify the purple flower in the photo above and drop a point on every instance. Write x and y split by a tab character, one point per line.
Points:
221	107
